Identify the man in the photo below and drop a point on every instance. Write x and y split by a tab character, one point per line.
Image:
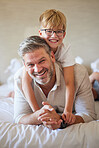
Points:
49	88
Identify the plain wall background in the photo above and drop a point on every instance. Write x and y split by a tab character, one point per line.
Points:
19	19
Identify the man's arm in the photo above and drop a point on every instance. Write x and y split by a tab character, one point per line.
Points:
34	118
31	119
84	102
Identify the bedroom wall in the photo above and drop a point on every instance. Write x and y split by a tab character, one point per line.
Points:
19	19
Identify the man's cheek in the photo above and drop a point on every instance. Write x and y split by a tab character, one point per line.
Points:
30	71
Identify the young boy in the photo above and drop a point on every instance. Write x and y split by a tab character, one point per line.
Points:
53	30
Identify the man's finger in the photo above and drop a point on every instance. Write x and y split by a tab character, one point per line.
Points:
45	103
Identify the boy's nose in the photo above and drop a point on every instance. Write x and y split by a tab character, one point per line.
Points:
54	34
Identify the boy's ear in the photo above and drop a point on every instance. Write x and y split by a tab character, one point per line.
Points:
40	33
64	34
52	56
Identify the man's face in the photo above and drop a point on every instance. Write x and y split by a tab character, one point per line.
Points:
39	65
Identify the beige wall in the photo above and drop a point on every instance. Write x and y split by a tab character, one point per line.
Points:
19	19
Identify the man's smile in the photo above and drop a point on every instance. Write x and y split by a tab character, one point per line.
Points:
41	73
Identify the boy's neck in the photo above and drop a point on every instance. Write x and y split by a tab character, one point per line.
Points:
54	49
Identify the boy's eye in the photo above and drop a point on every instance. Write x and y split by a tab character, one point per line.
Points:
59	31
49	31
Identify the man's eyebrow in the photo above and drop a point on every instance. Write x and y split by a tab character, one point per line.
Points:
38	60
42	58
28	63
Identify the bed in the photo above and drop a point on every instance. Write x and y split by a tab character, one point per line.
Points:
83	135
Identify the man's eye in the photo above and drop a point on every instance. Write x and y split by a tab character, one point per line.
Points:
30	65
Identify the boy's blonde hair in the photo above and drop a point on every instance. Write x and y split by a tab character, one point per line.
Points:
52	18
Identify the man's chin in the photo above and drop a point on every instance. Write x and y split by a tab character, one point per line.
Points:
42	82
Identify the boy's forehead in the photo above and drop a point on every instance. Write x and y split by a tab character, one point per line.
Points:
60	27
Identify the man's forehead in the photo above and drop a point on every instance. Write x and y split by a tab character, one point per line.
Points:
36	55
36	52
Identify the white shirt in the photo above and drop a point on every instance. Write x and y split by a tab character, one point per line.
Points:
83	103
64	55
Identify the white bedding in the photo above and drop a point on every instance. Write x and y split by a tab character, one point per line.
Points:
13	135
77	136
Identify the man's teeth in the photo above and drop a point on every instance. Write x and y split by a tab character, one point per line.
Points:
41	73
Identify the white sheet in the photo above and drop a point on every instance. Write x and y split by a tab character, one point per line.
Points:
13	135
25	136
6	109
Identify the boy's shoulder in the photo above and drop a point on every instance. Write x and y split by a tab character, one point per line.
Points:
64	46
62	49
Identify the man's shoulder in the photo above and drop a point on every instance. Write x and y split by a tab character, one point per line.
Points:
58	67
78	68
80	72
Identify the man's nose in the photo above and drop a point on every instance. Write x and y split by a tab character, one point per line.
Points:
37	68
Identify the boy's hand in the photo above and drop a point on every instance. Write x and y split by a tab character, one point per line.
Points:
68	118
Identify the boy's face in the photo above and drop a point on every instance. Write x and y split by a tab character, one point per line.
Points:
54	39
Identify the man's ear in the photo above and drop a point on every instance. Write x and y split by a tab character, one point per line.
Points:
52	56
25	66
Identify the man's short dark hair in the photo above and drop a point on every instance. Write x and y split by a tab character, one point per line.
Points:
33	43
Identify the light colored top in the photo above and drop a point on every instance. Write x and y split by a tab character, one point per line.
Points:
83	102
64	55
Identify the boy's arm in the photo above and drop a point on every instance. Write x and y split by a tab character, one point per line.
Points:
69	81
28	91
